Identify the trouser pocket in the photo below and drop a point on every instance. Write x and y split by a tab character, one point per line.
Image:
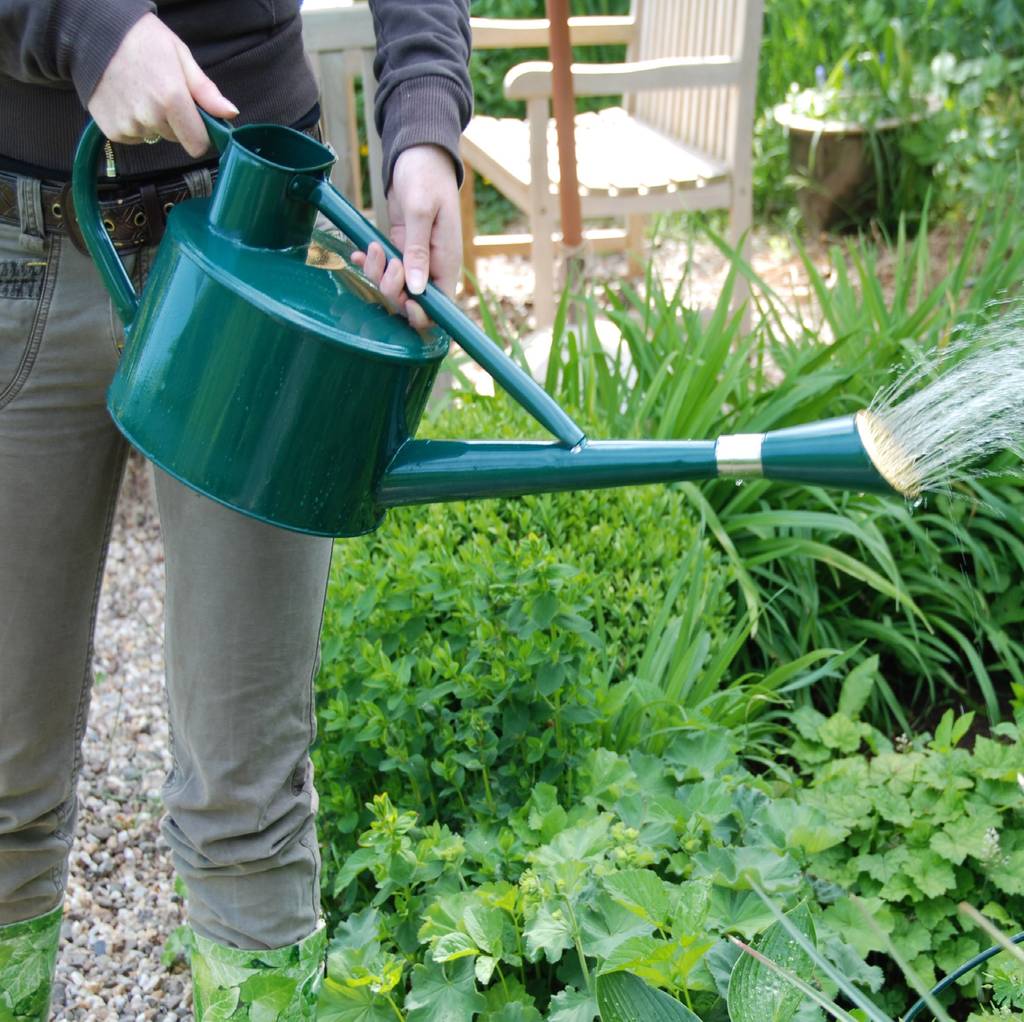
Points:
26	285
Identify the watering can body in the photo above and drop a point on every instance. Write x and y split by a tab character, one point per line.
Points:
290	393
237	391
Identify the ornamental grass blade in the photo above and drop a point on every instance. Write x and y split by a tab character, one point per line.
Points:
623	997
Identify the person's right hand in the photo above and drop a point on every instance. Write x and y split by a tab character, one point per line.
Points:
151	87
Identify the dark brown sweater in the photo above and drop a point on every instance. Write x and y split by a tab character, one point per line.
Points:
53	54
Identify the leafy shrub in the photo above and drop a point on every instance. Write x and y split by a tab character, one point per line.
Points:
659	859
934	591
925	824
471	651
652	864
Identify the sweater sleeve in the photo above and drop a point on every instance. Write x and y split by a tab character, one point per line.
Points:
64	43
424	95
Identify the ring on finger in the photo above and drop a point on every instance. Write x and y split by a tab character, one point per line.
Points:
151	139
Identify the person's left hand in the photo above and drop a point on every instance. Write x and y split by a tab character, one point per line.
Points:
423	204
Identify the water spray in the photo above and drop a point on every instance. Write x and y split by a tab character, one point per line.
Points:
924	432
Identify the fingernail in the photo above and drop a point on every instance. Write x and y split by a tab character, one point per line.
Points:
233	107
417	280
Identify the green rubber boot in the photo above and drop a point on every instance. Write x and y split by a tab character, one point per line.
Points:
28	956
282	985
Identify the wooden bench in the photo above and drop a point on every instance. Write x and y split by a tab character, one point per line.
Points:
340	42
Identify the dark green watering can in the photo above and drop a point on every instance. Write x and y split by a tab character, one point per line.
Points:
291	394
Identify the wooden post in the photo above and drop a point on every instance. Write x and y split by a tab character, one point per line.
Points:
564	103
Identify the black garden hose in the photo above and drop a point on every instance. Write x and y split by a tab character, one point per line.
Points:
954	976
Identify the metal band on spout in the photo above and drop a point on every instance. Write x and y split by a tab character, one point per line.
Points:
739	454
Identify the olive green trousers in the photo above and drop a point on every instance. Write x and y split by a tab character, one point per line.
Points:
244	604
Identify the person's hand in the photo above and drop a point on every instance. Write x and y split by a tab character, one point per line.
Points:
423	204
151	87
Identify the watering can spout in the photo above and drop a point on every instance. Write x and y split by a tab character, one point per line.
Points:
829	453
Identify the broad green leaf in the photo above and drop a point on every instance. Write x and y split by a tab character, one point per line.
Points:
756	994
605	924
848	922
572	1005
691	901
932	874
641	953
509	994
857	687
641	891
623	997
443	993
514	1012
548	930
339	1003
740	912
357	930
741	867
220	1005
453	946
483	968
485	924
800	827
841	733
720	961
267	996
580	843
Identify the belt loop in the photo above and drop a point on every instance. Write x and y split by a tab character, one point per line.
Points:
30	214
199	183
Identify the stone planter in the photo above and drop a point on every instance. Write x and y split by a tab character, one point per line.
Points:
847	169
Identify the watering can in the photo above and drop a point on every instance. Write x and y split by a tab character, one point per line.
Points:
293	395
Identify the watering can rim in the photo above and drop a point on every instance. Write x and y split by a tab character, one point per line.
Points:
223	134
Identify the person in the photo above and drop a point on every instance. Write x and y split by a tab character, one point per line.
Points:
244	600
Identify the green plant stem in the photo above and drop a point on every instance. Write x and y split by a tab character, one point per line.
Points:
487	786
394	1008
579	945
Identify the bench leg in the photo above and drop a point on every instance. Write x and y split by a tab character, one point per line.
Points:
740	220
636	228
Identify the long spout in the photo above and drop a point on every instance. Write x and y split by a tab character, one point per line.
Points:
829	453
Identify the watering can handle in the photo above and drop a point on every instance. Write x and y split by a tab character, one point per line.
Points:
87	212
519	384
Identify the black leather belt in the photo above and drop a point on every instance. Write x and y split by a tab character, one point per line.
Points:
133	214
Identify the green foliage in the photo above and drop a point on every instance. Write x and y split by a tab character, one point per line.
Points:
1005	978
934	592
472	651
28	952
623	997
755	993
538	915
980	124
244	985
925	823
968	50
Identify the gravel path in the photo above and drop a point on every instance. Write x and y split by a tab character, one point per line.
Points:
121	905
